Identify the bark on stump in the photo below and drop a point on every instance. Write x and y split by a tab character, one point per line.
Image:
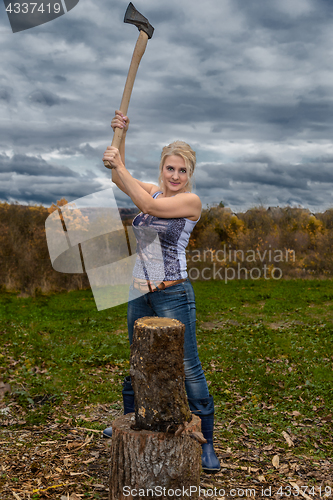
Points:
159	445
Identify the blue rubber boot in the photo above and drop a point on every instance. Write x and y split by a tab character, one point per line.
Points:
204	408
209	461
128	400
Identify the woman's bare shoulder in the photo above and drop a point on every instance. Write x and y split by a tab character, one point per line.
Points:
191	196
187	205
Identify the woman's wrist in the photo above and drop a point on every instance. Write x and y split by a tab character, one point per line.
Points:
121	167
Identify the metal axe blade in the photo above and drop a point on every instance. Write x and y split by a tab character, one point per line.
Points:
133	16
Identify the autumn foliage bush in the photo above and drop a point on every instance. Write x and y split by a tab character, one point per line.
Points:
293	239
25	264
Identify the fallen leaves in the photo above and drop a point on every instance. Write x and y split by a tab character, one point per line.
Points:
65	462
244	429
73	444
286	436
300	490
239	467
276	461
3	389
74	496
45	460
88	430
261	478
77	445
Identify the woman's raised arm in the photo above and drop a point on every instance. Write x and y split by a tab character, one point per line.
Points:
121	121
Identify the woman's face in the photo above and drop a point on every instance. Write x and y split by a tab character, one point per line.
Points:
174	173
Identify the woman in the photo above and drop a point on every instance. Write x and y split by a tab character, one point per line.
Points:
171	210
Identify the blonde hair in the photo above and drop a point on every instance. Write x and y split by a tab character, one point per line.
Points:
182	149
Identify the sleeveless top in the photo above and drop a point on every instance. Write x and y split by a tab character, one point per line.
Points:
166	259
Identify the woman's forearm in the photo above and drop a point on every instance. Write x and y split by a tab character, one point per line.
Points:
140	197
115	176
122	148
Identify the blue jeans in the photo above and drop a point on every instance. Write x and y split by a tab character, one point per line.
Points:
177	302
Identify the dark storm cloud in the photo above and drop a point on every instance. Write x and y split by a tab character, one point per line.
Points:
26	165
268	171
86	149
39	137
44	98
287	16
5	95
32	180
248	84
262	180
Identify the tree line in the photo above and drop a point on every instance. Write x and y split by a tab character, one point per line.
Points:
292	240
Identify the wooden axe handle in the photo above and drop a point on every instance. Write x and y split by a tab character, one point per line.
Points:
139	50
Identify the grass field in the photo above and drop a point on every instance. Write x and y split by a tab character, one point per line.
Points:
266	347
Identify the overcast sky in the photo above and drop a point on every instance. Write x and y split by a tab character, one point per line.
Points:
247	83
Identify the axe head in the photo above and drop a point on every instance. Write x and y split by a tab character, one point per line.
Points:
133	16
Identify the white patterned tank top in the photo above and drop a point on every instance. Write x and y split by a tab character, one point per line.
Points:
173	235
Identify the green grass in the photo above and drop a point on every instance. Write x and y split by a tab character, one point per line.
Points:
266	348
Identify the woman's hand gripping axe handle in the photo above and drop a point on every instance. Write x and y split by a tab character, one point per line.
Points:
132	16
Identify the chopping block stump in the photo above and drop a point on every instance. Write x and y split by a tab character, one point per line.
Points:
156	450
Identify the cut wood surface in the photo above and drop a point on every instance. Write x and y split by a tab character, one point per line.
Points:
157	373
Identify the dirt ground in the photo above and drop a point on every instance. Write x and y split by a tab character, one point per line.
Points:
65	462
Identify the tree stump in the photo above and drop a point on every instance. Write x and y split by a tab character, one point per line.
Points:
154	464
156	451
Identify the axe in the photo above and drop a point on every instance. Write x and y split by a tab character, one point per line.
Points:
132	16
